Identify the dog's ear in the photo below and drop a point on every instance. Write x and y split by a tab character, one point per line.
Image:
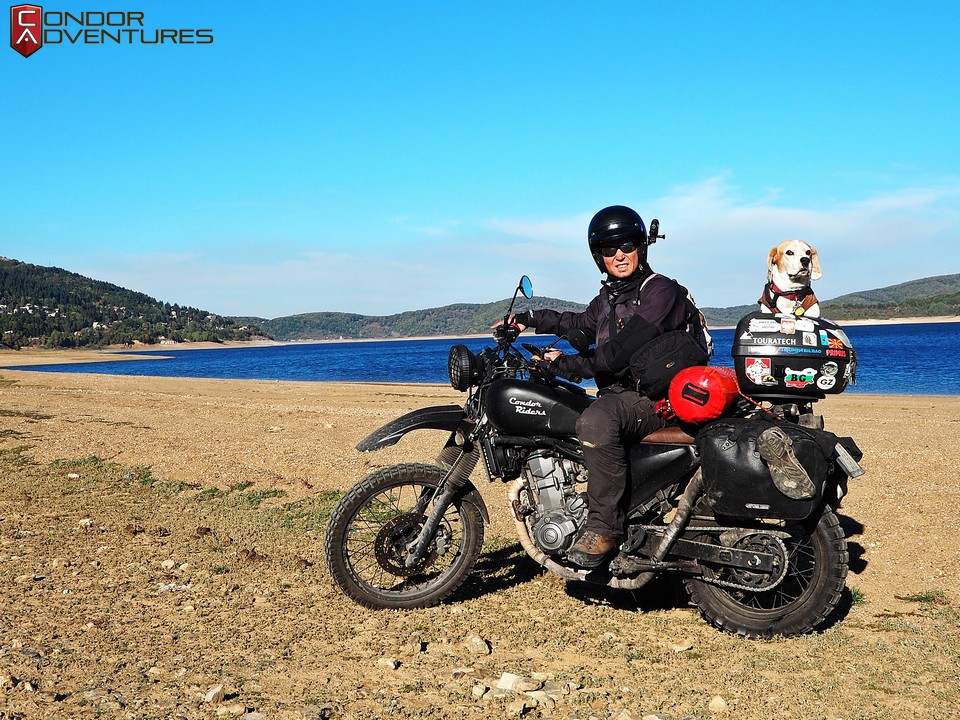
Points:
816	273
772	259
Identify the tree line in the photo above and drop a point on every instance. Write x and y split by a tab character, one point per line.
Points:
51	307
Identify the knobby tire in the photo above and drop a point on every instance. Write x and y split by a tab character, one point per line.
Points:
801	603
371	526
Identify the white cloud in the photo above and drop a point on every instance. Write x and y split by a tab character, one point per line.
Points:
716	244
717	240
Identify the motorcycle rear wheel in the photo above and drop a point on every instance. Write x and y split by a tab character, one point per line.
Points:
371	527
812	588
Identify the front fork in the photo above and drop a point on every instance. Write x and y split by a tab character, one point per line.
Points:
462	464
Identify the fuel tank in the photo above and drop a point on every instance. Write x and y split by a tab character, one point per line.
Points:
521	407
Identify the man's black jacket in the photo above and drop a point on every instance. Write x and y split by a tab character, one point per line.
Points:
623	317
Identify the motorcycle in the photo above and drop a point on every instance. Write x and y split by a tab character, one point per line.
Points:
407	536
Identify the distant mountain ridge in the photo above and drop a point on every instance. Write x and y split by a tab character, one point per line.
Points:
51	307
928	297
935	296
456	320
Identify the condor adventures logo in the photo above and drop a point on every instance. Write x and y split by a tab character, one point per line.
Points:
26	29
31	28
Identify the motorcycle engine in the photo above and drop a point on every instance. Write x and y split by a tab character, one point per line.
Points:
558	510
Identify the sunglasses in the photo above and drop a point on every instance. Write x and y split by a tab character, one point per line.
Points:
626	249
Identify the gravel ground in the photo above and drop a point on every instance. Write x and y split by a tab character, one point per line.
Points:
161	557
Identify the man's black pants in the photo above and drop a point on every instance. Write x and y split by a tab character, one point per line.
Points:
617	418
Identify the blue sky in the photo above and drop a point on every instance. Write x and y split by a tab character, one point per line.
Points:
376	157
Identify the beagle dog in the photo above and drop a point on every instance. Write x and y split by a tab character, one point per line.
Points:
791	266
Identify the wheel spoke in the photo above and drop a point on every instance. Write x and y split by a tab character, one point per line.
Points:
372	528
370	521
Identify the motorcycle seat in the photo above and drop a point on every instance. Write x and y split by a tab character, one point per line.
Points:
669	435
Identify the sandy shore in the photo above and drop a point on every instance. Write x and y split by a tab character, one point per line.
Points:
119	599
300	435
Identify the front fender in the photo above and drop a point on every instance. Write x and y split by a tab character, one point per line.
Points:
471	495
444	417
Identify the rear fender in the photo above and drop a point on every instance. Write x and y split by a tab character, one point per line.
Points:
444	417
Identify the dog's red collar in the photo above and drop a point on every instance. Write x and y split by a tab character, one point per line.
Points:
803	299
796	295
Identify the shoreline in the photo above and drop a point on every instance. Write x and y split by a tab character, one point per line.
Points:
10	358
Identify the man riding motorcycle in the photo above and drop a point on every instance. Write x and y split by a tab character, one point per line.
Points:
634	306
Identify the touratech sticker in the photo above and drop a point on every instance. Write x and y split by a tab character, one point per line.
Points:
757	370
799	378
774	341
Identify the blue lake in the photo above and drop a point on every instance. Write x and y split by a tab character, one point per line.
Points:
913	359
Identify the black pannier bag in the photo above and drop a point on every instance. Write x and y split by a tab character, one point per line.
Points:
737	481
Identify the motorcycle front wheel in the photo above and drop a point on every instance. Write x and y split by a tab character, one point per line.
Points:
812	587
372	526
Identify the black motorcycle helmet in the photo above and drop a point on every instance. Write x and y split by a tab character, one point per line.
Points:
614	226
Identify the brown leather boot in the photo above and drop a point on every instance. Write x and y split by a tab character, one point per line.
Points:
591	549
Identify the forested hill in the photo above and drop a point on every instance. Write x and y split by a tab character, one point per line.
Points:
936	296
51	307
930	297
455	320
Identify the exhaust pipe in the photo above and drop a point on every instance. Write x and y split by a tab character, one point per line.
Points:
567	573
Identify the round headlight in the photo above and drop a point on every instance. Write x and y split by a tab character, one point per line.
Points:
460	366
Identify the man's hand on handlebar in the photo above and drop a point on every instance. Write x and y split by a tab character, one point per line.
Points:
512	320
510	332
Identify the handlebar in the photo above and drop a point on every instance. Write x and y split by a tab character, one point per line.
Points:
506	335
548	367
